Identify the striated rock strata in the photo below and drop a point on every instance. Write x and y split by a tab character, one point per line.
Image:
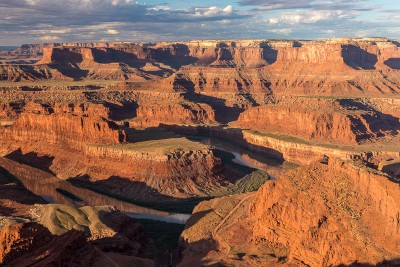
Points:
345	121
154	115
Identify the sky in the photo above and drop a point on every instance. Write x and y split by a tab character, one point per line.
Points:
44	21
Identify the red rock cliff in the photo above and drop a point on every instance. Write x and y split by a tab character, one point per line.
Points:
329	215
69	125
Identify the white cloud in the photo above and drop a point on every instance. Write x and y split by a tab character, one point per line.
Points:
285	31
159	8
60	31
228	9
112	31
49	38
213	11
311	16
273	21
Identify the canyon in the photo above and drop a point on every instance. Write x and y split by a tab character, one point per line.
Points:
279	152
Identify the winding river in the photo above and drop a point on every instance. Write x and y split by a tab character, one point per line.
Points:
46	185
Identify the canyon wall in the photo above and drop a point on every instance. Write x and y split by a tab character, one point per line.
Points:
152	115
344	121
69	125
330	67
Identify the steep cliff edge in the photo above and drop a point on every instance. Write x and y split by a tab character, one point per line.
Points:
63	124
343	120
319	215
152	115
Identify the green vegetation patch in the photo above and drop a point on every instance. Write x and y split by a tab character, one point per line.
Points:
250	183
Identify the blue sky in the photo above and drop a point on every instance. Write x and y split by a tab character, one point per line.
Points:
38	21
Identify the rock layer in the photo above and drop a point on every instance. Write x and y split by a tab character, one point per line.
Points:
345	121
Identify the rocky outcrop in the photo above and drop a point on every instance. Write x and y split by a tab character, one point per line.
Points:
320	215
31	244
24	73
171	172
345	121
64	124
338	217
155	114
59	238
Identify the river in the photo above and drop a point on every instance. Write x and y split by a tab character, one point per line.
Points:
48	186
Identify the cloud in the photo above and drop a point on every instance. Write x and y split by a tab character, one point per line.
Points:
284	31
112	31
30	21
212	11
276	4
48	38
268	5
311	16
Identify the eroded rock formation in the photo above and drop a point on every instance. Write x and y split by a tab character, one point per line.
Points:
154	115
320	215
63	124
345	121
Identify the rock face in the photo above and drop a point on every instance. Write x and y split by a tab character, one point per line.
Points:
338	226
347	121
89	236
154	115
320	215
69	125
31	244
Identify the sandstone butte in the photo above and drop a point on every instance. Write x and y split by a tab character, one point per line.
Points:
120	123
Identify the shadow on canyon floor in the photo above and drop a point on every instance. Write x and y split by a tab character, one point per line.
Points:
123	189
73	72
223	113
126	227
388	263
13	191
379	122
32	159
127	110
